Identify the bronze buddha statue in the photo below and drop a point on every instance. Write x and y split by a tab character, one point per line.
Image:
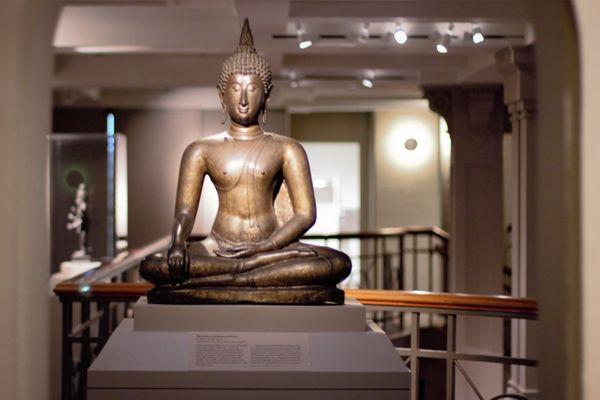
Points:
249	256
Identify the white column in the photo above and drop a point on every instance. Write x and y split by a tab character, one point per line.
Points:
26	30
475	117
517	68
476	121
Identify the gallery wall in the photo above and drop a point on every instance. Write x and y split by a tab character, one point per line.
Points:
340	127
399	187
155	141
407	182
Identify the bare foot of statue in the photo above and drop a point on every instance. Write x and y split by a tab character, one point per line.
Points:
249	256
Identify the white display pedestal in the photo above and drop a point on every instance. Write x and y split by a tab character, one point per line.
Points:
220	352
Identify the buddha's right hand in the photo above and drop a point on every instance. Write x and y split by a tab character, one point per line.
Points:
179	263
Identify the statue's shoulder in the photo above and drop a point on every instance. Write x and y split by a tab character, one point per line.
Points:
212	140
204	145
286	141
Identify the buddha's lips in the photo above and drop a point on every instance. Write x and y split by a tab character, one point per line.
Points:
243	110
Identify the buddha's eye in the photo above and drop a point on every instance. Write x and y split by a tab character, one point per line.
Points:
236	87
251	87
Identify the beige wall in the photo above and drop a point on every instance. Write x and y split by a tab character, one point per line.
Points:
587	13
408	187
394	192
341	127
156	140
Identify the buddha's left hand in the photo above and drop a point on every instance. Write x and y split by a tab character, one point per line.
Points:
245	250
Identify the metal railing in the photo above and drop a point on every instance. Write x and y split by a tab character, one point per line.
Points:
94	303
92	307
450	306
404	258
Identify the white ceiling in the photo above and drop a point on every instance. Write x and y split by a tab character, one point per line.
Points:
119	48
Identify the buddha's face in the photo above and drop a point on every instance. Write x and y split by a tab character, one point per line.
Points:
244	98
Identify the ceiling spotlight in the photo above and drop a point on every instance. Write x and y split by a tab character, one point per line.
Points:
400	36
304	41
305	44
477	35
367	83
443	43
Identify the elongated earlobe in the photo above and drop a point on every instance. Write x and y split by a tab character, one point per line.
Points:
222	100
264	115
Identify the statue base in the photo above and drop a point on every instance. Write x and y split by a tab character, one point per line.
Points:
235	295
347	317
232	353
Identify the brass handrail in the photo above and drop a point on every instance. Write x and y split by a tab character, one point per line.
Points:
446	301
381	298
119	265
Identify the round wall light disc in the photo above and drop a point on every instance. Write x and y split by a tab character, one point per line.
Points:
410	144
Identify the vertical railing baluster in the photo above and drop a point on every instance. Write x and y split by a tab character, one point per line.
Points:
85	349
415	262
114	317
387	265
375	276
450	354
67	351
430	270
445	258
125	278
385	277
104	328
373	264
400	273
414	356
430	260
401	269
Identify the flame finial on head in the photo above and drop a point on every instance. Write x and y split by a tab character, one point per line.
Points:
245	60
246	39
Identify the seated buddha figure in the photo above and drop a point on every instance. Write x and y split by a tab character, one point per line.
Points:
249	255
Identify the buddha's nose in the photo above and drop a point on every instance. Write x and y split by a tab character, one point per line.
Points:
244	99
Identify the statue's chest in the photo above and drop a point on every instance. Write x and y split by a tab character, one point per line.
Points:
243	163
